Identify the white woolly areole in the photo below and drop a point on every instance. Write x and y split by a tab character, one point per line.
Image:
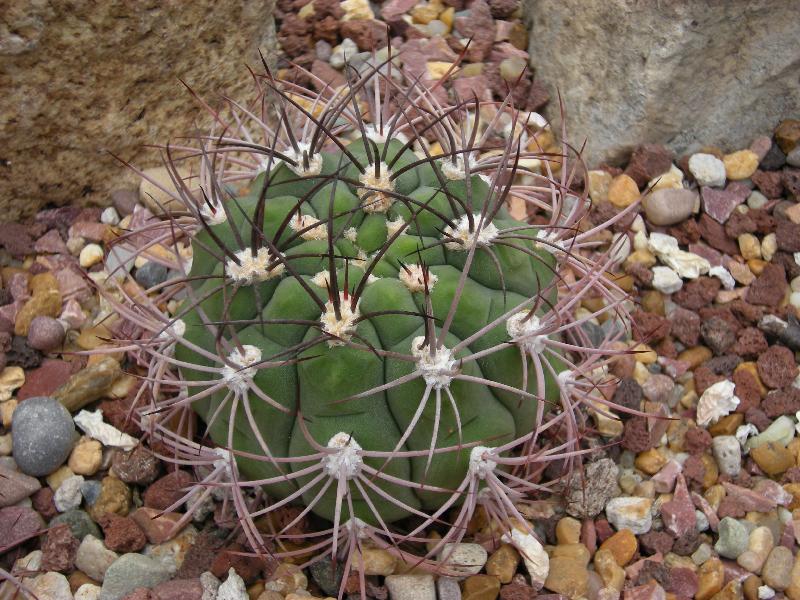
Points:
395	225
225	461
414	278
302	222
480	461
213	214
351	234
322	279
566	381
242	372
173	331
376	136
252	268
357	527
345	461
437	369
455	171
461	232
339	328
314	162
524	329
549	241
373	201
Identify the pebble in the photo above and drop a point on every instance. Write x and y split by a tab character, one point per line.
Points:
599	181
777	570
711	579
79	522
536	560
665	280
707	169
728	454
15	486
733	538
447	588
93	425
374	561
740	165
628	512
89	384
86	457
567	576
410	587
773	458
480	587
623	191
94	558
43	435
115	497
608	568
587	495
669	206
131	571
503	563
88	591
50	586
91	254
759	547
622	545
151	274
68	495
718	400
233	588
45	333
463	559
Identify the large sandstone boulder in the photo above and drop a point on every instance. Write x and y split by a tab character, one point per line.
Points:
81	79
680	73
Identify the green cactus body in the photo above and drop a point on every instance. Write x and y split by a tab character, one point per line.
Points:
321	379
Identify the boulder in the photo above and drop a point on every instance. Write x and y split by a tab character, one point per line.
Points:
82	79
678	73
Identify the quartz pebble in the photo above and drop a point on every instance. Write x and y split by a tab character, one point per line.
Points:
728	454
707	169
628	512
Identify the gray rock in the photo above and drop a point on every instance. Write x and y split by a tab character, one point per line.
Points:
411	587
728	453
15	486
733	537
94	559
80	523
326	577
150	274
630	71
43	435
586	495
448	588
669	206
131	571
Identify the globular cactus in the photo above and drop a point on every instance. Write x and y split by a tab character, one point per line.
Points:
363	328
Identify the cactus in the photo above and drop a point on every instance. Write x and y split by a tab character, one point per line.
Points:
363	328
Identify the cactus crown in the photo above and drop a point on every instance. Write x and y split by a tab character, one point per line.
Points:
365	331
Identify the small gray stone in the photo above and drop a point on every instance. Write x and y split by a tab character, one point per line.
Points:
151	274
728	453
411	587
131	571
777	570
448	588
94	558
91	491
327	579
43	435
733	537
80	523
323	50
669	206
587	494
464	559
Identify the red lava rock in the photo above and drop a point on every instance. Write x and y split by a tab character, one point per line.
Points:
746	390
757	417
707	252
647	162
678	513
739	223
241	560
685	326
118	414
42	502
394	8
683	582
157	526
686	233
776	367
17	523
603	529
769	183
59	549
786	260
686	544
138	466
328	76
654	570
715	236
90	231
751	343
464	87
791	181
785	401
521	591
697	440
719	204
627	395
666	349
718	335
200	555
478	25
503	9
654	542
788	236
178	589
640	273
327	29
697	293
122	534
51	243
694	470
769	288
636	436
167	490
704	378
16	238
723	365
649	326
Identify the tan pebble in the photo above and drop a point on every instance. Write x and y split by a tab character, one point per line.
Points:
653	302
750	587
777	570
599	182
567	576
269	595
152	194
377	561
731	591
43	304
726	425
88	385
425	13
741	164
622	545
695	356
86	457
57	477
645	489
568	531
438	69
711	577
794	490
644	354
641	257
447	16
7	409
115	497
793	213
749	246
650	461
741	272
503	563
307	11
793	591
769	246
640	373
756	265
714	495
90	255
773	458
480	587
759	546
623	191
577	552
92	338
607	566
43	282
712	470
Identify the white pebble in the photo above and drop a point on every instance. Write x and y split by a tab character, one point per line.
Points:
721	273
93	425
232	588
666	281
51	585
765	592
728	453
701	519
756	200
537	562
90	255
686	264
88	591
109	216
68	495
464	559
707	169
716	402
630	512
